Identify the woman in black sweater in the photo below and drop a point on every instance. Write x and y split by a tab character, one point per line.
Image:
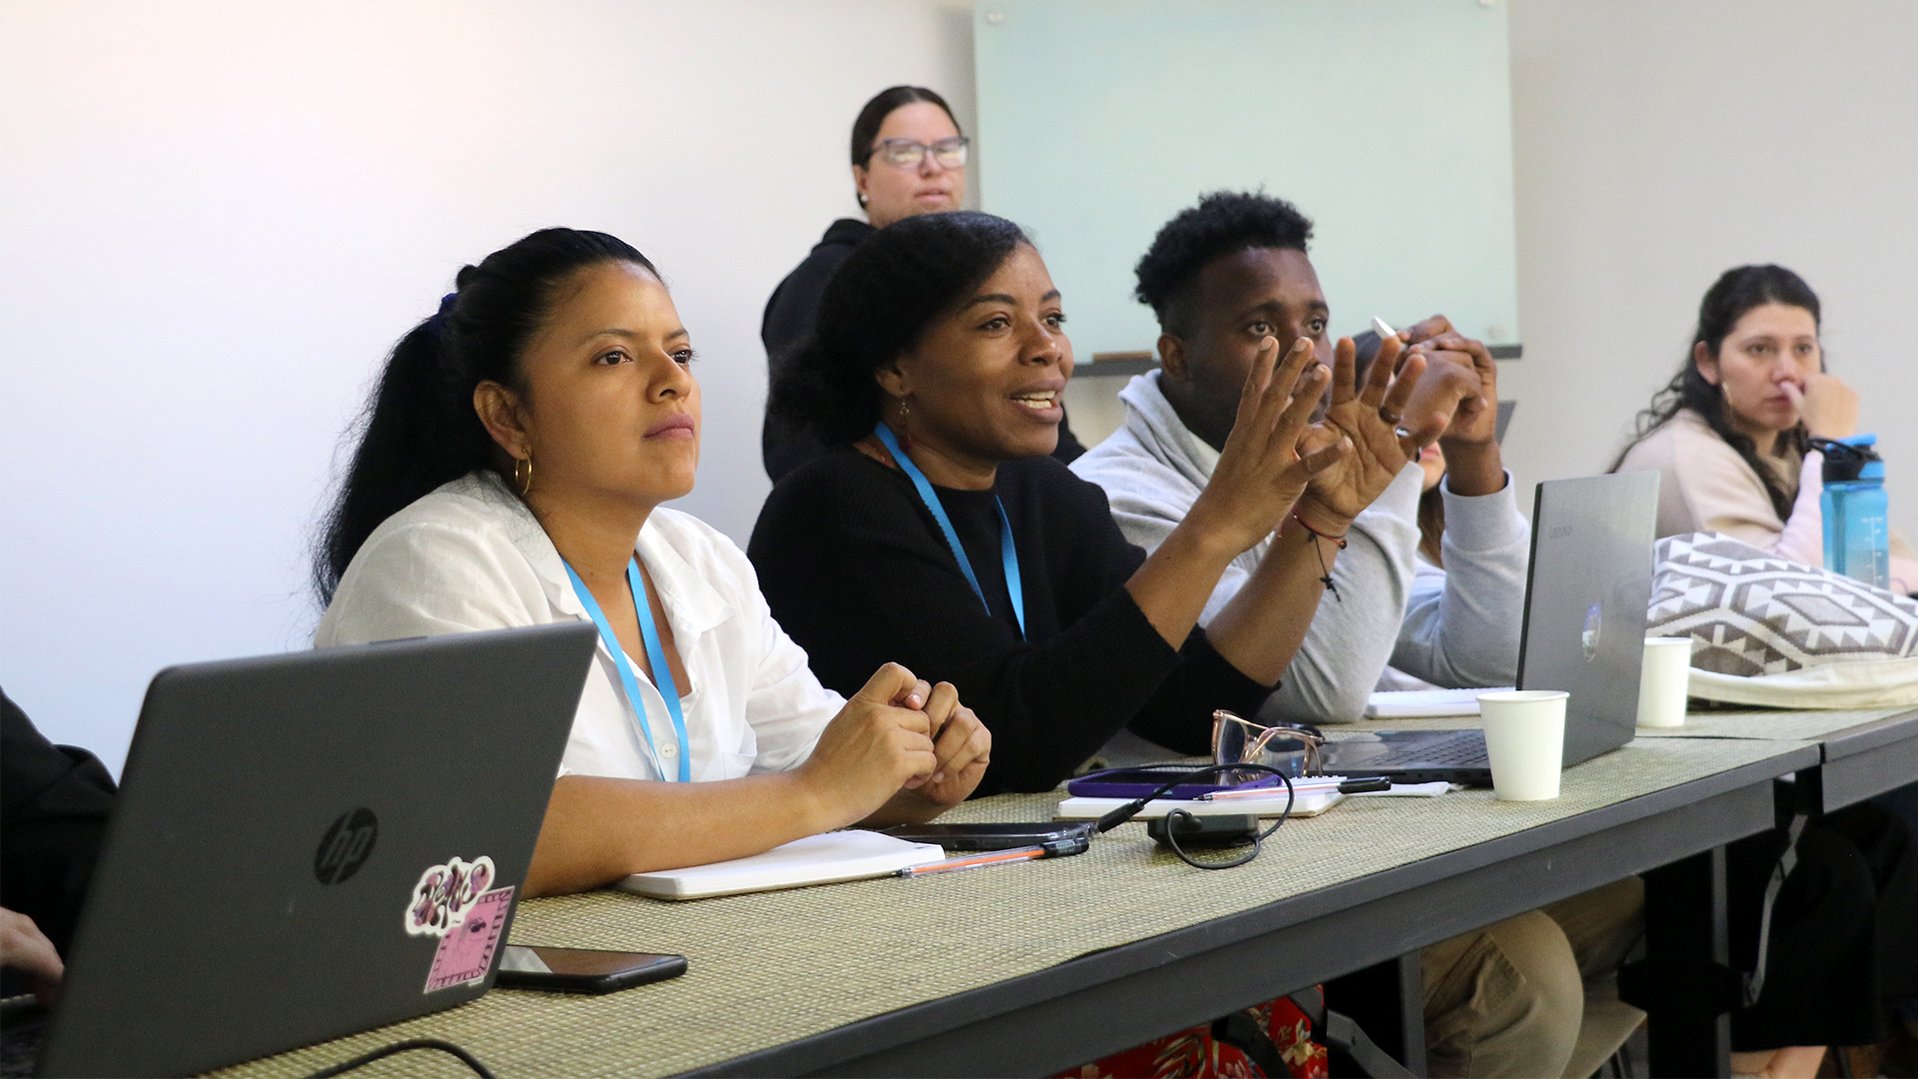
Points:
940	352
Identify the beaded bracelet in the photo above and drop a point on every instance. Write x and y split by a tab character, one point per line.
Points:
1312	536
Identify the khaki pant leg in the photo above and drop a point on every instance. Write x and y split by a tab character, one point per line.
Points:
1503	1001
1603	926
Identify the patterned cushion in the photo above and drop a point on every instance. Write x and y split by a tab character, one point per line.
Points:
1753	614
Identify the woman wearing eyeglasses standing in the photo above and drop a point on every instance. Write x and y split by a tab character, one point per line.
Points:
908	158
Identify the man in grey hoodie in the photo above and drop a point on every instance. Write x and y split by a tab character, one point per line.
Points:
1225	274
1512	998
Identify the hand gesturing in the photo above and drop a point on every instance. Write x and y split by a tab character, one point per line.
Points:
1367	418
1264	467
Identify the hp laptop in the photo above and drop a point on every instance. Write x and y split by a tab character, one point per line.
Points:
1586	595
311	844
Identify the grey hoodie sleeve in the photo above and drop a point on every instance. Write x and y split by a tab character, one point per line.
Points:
1352	636
1462	625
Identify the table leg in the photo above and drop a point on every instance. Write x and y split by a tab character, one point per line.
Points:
1387	1001
1685	984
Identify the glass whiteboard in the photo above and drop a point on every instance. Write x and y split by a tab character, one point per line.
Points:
1387	122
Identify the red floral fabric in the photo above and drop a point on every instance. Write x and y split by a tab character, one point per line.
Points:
1195	1052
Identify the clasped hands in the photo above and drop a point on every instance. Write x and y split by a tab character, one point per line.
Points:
899	737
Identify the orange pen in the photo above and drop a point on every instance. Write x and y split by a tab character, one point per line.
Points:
1071	845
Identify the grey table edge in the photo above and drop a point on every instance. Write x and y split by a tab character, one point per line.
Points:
1109	1000
1867	760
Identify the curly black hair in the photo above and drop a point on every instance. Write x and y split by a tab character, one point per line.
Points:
1223	223
877	305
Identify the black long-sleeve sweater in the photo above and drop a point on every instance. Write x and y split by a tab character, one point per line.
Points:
857	572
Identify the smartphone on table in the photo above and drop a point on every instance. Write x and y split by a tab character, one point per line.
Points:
583	970
1141	781
1065	834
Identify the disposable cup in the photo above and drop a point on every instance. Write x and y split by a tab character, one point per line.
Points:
1525	737
1663	681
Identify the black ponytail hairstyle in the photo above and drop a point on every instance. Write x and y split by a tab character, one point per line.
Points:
1736	291
419	429
877	306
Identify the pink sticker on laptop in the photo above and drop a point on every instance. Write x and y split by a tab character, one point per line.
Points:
466	952
446	894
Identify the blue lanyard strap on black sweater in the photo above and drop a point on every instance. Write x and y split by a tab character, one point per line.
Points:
1008	556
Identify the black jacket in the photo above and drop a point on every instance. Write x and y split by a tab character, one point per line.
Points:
791	316
56	801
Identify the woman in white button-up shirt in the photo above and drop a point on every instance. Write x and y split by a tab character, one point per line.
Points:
534	426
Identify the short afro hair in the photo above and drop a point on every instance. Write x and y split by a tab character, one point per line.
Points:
1223	223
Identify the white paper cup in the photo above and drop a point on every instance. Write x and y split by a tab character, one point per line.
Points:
1525	737
1663	681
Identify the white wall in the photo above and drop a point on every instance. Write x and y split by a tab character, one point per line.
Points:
218	215
1660	143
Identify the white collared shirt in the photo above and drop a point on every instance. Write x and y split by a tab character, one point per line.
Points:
470	556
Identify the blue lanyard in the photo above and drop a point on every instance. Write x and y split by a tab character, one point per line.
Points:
655	655
1008	556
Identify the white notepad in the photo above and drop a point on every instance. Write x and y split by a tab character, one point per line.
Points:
827	858
1422	703
1307	805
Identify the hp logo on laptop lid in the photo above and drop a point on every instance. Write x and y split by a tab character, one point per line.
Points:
346	846
1594	627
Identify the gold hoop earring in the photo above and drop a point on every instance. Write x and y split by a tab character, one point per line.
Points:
523	473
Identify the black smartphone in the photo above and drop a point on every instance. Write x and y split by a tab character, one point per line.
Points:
583	970
990	836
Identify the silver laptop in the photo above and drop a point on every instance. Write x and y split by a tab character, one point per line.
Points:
311	844
1586	595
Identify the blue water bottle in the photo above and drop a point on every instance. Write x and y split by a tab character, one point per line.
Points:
1857	519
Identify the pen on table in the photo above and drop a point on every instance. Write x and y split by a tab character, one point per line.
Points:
1306	786
975	861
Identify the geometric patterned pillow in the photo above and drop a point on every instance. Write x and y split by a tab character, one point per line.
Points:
1752	614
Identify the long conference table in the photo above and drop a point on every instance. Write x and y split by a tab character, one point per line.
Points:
1040	966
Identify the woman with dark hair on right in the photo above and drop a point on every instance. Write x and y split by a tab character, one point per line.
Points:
1731	434
1731	437
941	531
908	157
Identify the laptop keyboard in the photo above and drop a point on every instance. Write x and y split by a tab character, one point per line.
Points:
22	1029
1462	749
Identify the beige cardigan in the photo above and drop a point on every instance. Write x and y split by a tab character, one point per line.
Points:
1704	486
